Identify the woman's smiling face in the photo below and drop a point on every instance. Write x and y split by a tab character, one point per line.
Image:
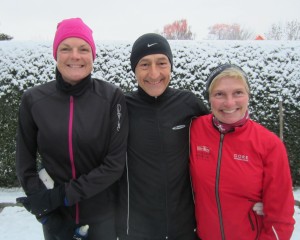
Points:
74	60
229	99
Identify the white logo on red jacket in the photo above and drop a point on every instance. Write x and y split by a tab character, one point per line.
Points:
203	149
202	152
240	157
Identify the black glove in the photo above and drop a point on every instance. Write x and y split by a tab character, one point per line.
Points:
57	226
44	202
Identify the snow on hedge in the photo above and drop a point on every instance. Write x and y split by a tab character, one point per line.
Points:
273	68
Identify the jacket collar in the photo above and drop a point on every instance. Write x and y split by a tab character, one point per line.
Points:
166	94
73	90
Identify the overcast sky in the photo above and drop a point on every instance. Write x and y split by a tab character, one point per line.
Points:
128	19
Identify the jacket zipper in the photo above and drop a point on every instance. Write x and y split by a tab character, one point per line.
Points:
128	197
71	153
165	167
217	187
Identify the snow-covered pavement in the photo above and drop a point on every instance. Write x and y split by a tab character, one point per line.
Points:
16	223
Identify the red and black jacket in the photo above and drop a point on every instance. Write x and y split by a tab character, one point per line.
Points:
233	171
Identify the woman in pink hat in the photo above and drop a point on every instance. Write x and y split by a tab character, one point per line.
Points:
76	127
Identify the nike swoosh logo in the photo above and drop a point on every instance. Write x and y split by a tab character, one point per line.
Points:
150	45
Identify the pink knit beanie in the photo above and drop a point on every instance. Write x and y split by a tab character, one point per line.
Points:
73	27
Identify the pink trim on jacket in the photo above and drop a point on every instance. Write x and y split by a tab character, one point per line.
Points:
71	149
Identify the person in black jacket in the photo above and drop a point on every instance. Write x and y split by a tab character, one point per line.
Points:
156	199
78	126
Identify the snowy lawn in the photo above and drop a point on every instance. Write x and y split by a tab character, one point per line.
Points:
16	223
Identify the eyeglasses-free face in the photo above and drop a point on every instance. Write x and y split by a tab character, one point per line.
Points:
74	60
229	99
153	74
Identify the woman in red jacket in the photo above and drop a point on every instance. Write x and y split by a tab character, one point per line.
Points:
236	163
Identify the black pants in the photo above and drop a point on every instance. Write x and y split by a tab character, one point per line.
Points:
182	237
104	230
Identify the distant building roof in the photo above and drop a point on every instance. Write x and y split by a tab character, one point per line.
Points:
259	37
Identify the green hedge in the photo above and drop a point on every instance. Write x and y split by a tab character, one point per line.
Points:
273	69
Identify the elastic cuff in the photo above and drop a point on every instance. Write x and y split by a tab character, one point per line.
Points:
66	202
43	220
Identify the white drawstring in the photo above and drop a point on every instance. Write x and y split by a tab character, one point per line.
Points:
275	233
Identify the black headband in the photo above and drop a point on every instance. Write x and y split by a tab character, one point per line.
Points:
218	70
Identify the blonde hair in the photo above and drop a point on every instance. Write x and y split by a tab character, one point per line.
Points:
231	72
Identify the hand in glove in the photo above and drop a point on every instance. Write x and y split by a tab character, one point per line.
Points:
44	201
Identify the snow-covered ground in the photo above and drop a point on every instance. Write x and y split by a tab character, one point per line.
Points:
16	223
